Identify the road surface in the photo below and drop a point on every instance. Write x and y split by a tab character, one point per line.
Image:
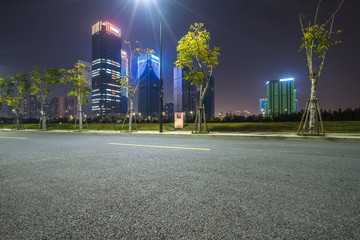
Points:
71	186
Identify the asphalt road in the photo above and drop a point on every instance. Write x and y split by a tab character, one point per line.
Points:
68	186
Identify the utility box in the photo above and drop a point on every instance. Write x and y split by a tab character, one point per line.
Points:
179	119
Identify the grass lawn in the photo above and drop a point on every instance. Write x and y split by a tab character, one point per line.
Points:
330	127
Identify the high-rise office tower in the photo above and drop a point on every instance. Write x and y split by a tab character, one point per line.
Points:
124	63
186	96
209	99
168	109
124	72
106	69
62	107
148	73
281	97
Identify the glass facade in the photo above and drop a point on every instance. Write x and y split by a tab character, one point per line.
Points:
281	97
148	72
107	100
209	99
186	96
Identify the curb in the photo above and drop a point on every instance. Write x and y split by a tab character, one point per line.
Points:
261	135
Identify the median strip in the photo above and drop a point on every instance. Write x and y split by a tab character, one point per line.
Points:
14	137
156	146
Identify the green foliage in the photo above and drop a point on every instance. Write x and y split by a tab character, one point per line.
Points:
198	60
3	89
318	40
43	84
127	81
196	56
14	89
76	76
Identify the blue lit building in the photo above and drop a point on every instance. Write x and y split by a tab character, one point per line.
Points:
263	106
107	100
148	73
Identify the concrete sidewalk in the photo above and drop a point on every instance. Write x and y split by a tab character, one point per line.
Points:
254	135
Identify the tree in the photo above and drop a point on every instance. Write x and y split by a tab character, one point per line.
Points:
81	88
316	40
199	60
14	89
128	82
2	91
42	85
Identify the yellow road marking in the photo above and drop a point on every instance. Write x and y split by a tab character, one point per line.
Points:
156	146
14	137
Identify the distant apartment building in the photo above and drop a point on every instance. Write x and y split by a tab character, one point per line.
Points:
6	111
53	110
31	107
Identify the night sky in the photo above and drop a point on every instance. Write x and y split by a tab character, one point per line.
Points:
258	40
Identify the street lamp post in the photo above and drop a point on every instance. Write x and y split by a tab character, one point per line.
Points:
161	92
161	80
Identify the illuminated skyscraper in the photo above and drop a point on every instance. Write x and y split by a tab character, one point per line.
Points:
124	63
62	107
106	69
124	72
186	96
209	99
148	74
281	97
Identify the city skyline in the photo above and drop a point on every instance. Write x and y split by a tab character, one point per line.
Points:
258	42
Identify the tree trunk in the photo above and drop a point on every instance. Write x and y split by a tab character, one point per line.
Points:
200	114
80	113
17	119
43	115
131	114
312	107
